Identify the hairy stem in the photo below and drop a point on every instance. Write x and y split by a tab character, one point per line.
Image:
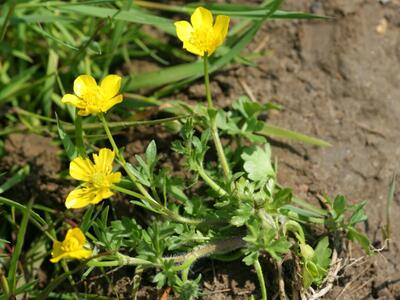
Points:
221	192
121	260
121	158
217	247
160	208
213	125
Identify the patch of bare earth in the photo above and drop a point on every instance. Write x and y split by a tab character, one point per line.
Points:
338	80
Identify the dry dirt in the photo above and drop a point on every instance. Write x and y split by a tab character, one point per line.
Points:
339	80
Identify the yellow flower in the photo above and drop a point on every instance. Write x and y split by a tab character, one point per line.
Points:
91	98
202	36
98	178
72	247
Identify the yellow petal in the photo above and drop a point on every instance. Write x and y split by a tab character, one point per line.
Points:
57	258
80	197
56	252
103	161
111	102
103	193
81	169
201	17
193	49
83	84
221	28
114	177
183	30
71	99
83	112
80	254
110	86
77	234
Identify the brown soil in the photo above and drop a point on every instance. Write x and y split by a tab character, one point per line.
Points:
338	80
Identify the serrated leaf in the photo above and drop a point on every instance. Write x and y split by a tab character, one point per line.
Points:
257	163
250	259
279	247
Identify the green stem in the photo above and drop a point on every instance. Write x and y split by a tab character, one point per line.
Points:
207	82
146	196
12	271
261	280
217	247
128	192
213	125
160	208
139	186
220	150
121	260
221	192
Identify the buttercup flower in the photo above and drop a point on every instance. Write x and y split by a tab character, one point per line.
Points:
72	247
98	178
202	36
91	98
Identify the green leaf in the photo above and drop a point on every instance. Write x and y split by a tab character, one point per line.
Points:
69	146
323	253
278	248
242	214
15	179
48	88
257	163
17	84
132	15
151	154
247	107
339	205
356	236
281	198
250	258
140	174
359	215
277	132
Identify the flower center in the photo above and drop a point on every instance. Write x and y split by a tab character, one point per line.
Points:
94	99
99	180
203	38
72	244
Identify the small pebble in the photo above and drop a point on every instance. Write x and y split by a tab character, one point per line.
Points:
382	26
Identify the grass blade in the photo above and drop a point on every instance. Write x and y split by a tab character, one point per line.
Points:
7	19
133	15
389	202
277	132
15	179
48	89
12	272
16	84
